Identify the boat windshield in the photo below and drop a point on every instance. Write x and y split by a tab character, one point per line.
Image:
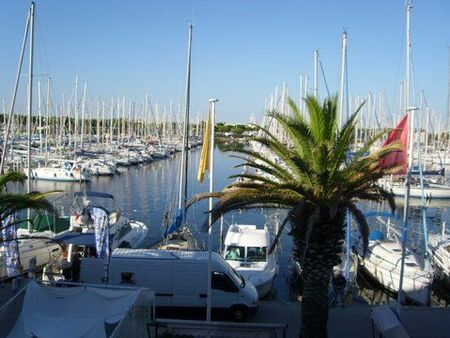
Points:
256	254
237	278
81	202
235	253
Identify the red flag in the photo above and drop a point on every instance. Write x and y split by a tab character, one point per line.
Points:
398	135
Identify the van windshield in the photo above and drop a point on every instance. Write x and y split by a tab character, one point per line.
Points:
237	278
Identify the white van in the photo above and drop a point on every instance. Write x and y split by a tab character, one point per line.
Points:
178	278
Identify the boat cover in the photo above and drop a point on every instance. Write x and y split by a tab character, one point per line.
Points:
82	311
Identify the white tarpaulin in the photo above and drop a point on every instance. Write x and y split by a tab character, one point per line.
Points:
82	311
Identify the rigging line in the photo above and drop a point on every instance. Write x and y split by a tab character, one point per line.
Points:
389	114
41	43
324	78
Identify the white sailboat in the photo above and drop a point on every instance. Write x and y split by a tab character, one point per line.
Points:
389	261
439	253
99	167
61	170
383	263
35	251
177	234
247	251
432	188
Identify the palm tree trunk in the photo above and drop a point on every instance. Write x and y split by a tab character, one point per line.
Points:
317	257
314	315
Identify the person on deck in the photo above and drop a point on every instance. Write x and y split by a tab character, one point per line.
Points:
339	283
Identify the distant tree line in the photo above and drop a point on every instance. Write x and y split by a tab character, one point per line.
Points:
235	129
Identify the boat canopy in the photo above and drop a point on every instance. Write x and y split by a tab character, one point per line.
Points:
247	235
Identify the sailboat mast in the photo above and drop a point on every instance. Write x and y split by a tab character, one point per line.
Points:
408	85
76	116
83	113
16	85
30	105
410	156
342	80
40	117
47	120
182	198
448	93
316	73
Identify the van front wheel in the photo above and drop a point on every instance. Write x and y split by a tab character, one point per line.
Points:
239	312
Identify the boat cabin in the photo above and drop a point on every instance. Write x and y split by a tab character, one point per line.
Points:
246	244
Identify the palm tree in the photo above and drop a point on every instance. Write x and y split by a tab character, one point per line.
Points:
317	183
13	203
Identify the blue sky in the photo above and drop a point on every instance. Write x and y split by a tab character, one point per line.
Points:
242	49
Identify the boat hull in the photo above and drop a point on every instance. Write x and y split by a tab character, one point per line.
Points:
432	191
60	175
37	249
383	263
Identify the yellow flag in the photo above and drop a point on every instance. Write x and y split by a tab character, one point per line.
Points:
204	157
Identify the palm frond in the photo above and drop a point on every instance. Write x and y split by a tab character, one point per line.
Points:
12	176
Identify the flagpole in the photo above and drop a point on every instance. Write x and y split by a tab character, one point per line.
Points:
211	189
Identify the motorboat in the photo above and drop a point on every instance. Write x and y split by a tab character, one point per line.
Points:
123	231
80	239
246	249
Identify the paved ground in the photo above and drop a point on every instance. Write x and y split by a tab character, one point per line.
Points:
351	321
354	320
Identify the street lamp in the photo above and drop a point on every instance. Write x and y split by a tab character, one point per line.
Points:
212	102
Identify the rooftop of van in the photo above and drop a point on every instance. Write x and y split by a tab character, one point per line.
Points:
164	254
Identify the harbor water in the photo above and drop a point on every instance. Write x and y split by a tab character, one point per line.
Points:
149	193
